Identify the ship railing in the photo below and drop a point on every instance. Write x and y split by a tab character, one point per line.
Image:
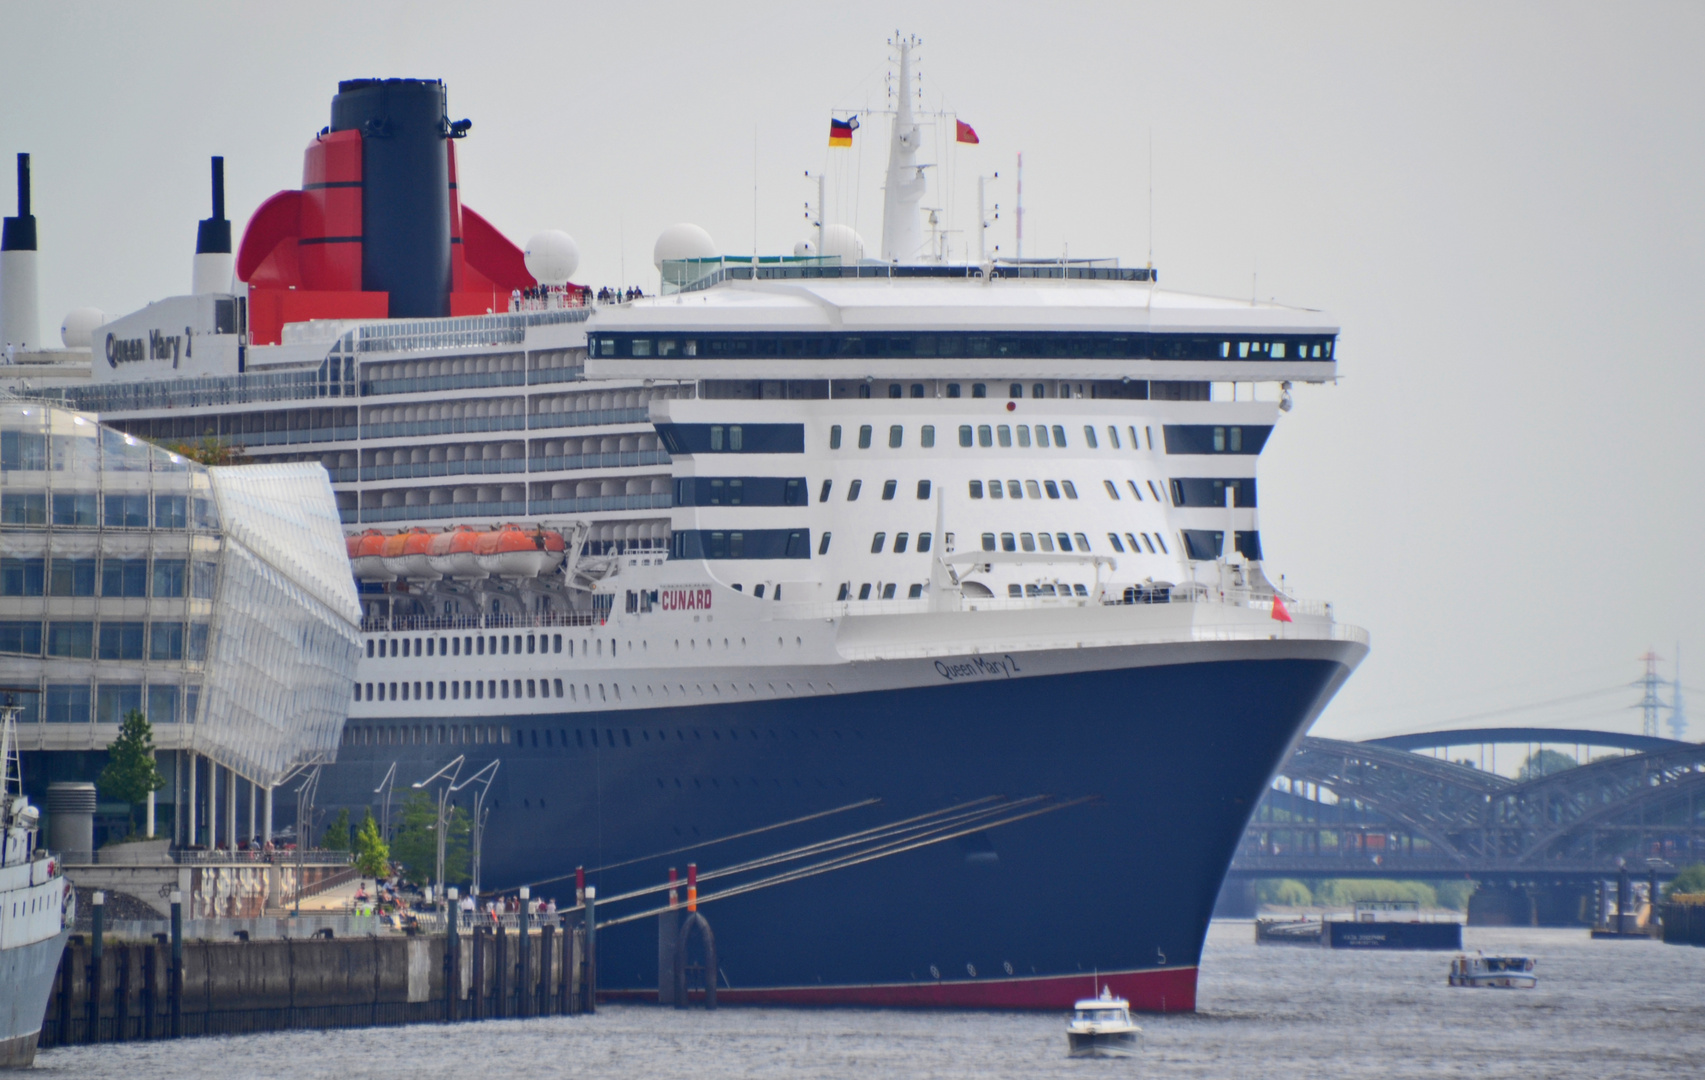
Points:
1187	593
411	623
214	857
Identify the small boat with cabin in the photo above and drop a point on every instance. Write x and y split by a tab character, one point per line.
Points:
1102	1027
1493	972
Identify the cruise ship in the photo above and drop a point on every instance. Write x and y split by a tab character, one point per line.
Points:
920	604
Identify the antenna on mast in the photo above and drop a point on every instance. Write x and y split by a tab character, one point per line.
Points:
903	191
1021	205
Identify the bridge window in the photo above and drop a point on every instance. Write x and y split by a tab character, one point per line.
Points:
1051	488
864	591
1070	489
1082	541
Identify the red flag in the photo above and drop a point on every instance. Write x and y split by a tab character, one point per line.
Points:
965	132
1280	612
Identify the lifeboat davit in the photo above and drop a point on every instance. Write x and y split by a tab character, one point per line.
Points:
454	554
512	551
405	554
366	559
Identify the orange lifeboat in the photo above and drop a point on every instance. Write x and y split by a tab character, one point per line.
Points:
454	554
512	551
366	559
405	554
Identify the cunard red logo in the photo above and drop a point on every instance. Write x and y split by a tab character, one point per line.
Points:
684	598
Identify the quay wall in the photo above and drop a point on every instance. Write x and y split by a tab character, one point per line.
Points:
230	986
1684	922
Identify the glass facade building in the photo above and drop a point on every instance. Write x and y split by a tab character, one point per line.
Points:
217	600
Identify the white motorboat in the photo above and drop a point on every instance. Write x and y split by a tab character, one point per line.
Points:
1102	1027
1495	972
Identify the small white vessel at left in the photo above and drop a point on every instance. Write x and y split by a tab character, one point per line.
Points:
1101	1027
37	908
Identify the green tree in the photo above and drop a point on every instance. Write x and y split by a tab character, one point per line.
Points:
1543	762
1343	892
1283	892
1455	894
372	855
131	774
416	842
337	833
1691	879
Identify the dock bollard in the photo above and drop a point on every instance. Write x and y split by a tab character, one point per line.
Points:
176	988
97	940
452	956
591	948
523	981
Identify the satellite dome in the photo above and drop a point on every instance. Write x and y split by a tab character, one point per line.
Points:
843	241
804	248
682	242
552	257
77	329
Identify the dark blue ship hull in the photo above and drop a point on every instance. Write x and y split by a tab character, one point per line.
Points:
1169	762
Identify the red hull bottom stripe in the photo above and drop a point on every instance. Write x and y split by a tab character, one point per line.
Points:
1152	990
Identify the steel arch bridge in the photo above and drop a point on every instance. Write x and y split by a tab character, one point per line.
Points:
1378	809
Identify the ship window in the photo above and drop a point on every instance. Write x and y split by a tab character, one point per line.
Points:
979	390
757	591
1008	542
1070	489
926	437
896	435
1135	490
480	642
900	540
846	588
823	544
1161	540
823	493
1003	435
864	436
1024	435
1042	436
835	437
864	591
923	542
369	648
1047	542
853	489
1112	492
505	639
1131	430
1113	538
964	434
864	390
923	489
1154	491
916	592
1015	591
917	389
1016	390
876	543
894	390
1017	492
716	437
1039	390
888	489
985	436
1082	541
952	389
1031	590
1113	437
1059	436
1033	489
1136	547
529	645
641	347
976	493
888	591
1088	437
988	541
556	643
994	489
1027	541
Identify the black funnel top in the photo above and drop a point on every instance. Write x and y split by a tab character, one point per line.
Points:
405	189
214	235
19	233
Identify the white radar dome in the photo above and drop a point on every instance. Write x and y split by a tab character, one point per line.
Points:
552	257
682	241
804	249
843	241
77	329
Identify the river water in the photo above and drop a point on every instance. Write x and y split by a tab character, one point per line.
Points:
1603	1009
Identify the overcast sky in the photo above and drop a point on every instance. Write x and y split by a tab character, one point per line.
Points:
1501	204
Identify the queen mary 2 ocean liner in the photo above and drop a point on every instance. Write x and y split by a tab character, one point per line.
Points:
920	603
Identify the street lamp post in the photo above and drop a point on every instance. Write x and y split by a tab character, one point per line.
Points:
453	769
483	777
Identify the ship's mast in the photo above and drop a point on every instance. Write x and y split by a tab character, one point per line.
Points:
903	192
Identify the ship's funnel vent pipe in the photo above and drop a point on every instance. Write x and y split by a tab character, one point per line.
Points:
18	324
213	261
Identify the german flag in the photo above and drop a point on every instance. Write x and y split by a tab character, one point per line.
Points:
840	131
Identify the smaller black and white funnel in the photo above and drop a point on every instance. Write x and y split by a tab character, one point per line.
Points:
18	323
213	242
